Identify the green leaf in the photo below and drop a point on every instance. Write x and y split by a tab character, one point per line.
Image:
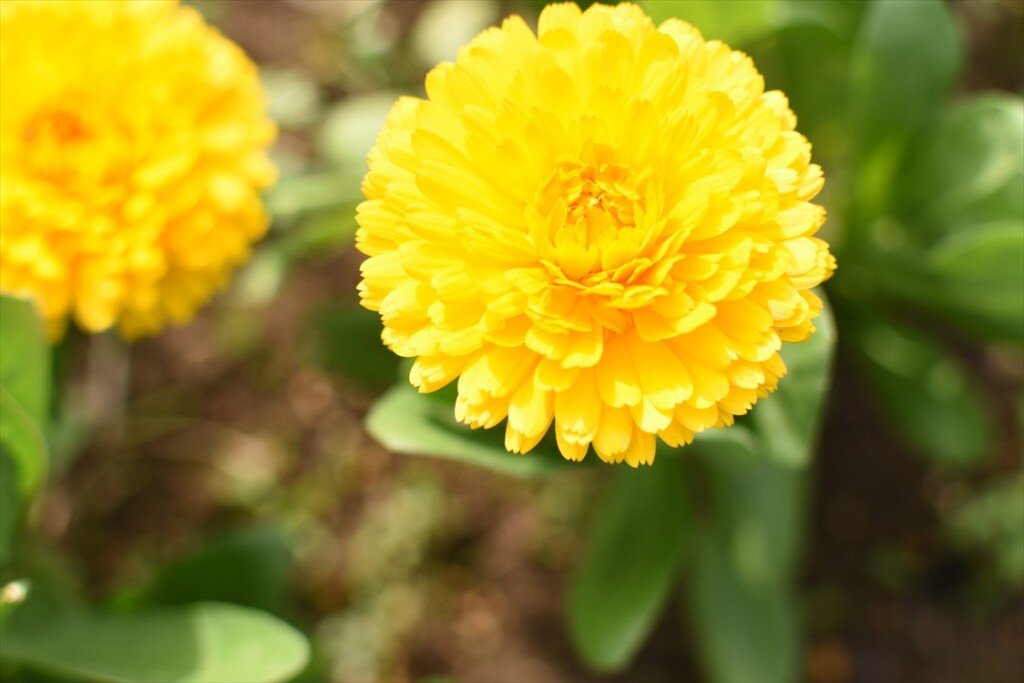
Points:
347	341
10	504
24	390
249	567
744	634
732	22
740	590
24	442
757	506
905	59
635	553
198	644
968	171
787	420
983	273
24	357
924	392
405	421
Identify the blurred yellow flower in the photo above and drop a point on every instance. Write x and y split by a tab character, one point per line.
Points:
132	152
607	225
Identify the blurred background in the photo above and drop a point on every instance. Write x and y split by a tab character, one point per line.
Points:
237	441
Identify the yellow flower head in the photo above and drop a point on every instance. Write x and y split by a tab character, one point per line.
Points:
132	139
607	225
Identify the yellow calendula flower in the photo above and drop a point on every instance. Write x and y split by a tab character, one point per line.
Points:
132	152
606	226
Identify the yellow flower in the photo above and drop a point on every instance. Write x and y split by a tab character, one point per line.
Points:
132	139
606	225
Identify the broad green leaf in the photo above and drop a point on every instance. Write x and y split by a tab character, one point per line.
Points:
24	390
809	61
758	509
904	61
743	633
634	557
201	643
24	357
983	273
732	22
968	171
405	421
740	589
968	279
924	392
25	443
347	342
787	420
10	504
248	567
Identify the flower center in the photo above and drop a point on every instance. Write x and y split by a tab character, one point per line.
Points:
589	220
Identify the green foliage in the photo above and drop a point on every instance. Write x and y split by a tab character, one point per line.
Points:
200	643
935	221
347	341
633	561
404	421
250	567
968	170
904	62
993	520
922	388
10	504
24	391
731	22
744	633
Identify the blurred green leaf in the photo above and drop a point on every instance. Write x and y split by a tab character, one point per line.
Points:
248	567
983	277
993	520
740	589
10	504
24	357
904	62
970	279
924	392
350	129
405	421
24	390
297	195
968	171
348	343
744	634
639	537
324	232
731	22
757	506
198	644
787	420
